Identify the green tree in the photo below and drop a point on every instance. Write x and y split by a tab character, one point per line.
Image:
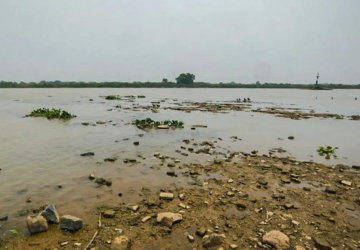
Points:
186	79
165	80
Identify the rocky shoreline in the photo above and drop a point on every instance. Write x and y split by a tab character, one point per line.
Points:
258	201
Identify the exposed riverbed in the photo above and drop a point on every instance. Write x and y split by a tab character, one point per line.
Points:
41	159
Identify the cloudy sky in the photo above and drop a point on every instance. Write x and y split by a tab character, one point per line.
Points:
147	40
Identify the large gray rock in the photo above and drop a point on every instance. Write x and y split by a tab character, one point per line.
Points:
70	223
277	240
50	214
36	224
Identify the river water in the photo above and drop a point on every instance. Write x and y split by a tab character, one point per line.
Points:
38	155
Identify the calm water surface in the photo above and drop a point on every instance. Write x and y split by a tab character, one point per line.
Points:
38	155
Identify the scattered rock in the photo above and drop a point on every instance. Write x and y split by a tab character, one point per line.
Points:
218	161
291	137
201	231
262	181
146	218
230	194
50	214
356	167
190	238
233	246
171	165
240	205
4	218
87	154
289	205
171	173
285	179
120	243
300	248
277	240
330	190
166	196
135	208
36	224
213	241
109	214
346	183
182	197
113	159
157	154
136	143
306	189
168	219
321	243
70	223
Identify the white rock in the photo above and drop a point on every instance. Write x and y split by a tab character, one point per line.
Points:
346	183
166	196
182	205
190	238
135	208
146	218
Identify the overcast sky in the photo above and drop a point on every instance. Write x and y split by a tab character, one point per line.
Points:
147	40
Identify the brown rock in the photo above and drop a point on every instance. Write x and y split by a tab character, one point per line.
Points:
277	240
36	224
120	243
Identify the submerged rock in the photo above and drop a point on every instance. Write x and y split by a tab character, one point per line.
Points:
70	223
50	214
36	224
113	159
87	154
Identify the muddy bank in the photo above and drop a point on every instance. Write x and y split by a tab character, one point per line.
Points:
313	205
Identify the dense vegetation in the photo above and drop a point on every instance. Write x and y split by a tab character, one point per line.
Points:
51	114
182	81
150	123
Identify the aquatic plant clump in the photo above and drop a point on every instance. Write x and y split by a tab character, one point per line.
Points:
51	114
327	151
112	97
150	123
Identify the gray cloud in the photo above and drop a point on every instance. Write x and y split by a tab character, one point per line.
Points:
140	40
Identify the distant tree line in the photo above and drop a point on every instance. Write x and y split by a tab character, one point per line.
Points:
182	81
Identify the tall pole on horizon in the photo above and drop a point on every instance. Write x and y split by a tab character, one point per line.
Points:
317	79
